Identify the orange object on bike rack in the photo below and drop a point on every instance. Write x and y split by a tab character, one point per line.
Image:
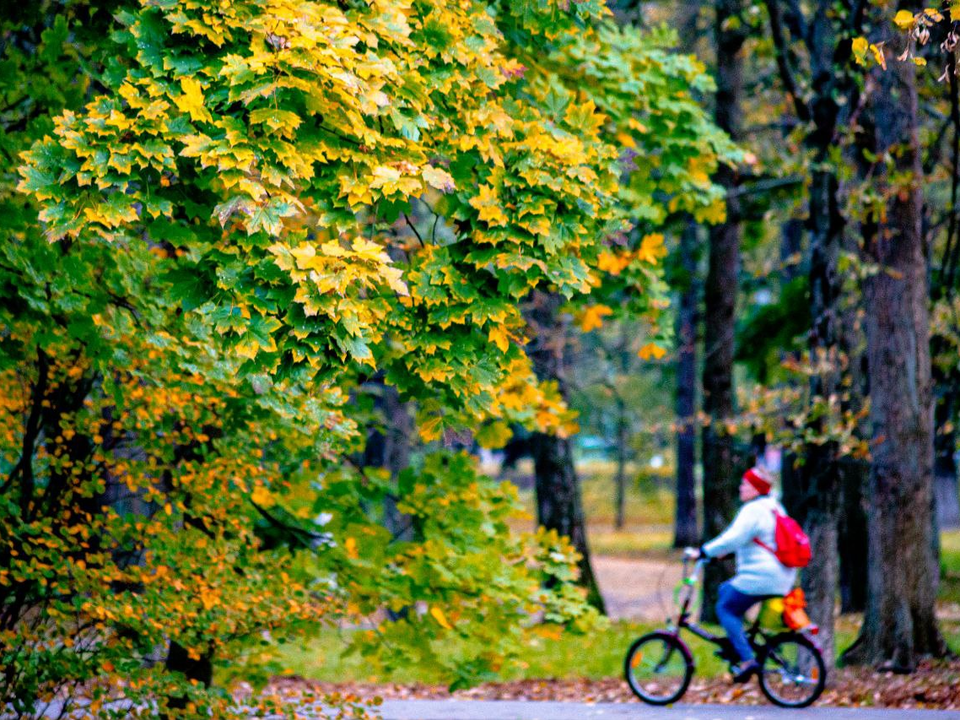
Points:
794	613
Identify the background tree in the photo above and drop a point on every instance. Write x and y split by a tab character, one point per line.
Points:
686	527
720	466
900	620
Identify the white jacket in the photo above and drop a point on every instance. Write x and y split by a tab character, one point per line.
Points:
758	570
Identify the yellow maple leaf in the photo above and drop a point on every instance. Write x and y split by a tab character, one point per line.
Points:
489	204
191	102
626	140
859	48
698	175
904	19
494	435
614	263
651	248
500	337
593	317
385	178
713	213
350	545
441	619
651	351
262	496
430	430
438	178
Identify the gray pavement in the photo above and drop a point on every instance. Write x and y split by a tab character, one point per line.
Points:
539	710
531	710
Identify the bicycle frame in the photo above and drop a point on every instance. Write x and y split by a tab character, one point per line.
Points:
683	621
659	665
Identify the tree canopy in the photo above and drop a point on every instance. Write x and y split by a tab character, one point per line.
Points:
230	217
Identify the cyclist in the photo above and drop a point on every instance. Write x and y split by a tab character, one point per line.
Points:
759	573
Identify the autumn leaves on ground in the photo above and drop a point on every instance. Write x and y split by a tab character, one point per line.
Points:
277	275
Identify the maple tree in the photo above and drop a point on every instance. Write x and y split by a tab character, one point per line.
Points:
247	208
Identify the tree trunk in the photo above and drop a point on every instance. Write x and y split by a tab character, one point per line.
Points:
179	661
559	506
854	555
621	477
853	474
558	503
685	527
899	623
389	448
818	475
720	296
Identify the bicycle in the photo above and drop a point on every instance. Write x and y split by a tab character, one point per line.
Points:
659	665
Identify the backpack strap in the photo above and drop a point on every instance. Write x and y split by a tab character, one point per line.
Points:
762	544
766	547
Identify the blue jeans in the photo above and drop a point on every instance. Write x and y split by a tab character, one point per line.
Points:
732	605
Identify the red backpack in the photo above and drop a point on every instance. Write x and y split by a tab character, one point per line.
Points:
793	545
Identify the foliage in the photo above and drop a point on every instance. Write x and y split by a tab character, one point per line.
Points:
246	209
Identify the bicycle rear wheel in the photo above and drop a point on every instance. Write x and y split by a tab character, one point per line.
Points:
792	672
658	668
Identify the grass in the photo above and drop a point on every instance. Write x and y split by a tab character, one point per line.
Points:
648	535
595	656
950	567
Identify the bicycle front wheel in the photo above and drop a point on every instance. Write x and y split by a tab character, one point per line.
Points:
658	668
792	673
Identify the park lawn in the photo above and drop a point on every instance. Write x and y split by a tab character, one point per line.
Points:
598	655
595	656
950	567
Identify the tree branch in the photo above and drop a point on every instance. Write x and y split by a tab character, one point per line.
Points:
952	251
24	467
783	63
763	186
414	228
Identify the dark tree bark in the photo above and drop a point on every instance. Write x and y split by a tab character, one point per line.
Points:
623	353
720	296
621	476
388	446
816	495
179	661
853	473
854	555
685	526
791	246
946	382
899	624
559	505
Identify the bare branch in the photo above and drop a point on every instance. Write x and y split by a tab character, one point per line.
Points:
764	186
783	62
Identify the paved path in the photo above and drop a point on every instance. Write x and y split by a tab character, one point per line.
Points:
520	710
636	589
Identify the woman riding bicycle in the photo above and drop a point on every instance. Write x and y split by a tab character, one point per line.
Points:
759	573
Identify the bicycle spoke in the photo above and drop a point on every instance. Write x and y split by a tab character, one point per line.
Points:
792	673
657	670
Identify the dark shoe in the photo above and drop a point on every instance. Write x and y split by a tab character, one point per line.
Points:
728	656
745	671
727	653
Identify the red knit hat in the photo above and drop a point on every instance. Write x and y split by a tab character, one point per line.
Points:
759	479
